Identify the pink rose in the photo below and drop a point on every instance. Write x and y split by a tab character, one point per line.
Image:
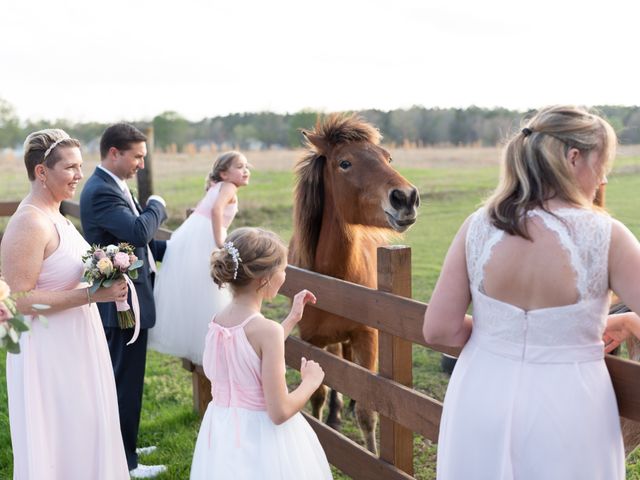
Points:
5	313
121	261
99	254
132	259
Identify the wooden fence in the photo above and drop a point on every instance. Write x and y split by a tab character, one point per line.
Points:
403	410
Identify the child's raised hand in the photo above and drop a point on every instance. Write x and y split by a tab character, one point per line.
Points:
299	301
311	371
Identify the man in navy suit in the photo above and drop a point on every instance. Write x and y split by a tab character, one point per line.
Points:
110	215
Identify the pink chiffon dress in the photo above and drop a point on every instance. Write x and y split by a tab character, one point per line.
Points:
185	295
237	439
63	408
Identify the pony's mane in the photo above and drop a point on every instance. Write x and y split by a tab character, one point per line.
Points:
338	128
329	132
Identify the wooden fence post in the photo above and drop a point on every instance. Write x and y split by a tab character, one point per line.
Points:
395	355
144	176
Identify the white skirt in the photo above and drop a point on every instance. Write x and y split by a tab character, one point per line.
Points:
553	418
185	295
242	444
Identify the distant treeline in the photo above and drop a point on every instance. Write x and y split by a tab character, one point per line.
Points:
416	126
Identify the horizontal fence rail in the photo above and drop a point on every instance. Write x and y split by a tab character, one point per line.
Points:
403	317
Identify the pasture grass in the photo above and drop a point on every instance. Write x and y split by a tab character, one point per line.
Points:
450	189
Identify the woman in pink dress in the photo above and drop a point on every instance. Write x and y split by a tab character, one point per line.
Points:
185	296
63	408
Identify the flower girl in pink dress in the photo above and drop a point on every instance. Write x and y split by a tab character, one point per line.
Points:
252	428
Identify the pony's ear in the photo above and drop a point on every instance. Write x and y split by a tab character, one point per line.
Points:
314	139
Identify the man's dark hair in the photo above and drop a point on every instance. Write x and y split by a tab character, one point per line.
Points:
121	136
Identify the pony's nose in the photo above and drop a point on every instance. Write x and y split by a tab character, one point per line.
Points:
404	199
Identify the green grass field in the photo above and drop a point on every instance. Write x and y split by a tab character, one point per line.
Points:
450	191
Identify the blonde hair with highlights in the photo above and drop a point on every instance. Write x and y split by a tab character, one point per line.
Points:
38	143
222	164
261	253
535	167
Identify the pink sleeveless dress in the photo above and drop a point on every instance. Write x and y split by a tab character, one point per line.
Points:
185	295
530	397
63	407
237	439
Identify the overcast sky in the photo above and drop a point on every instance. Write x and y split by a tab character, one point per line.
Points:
87	60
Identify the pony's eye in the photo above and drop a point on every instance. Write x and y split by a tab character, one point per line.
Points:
345	165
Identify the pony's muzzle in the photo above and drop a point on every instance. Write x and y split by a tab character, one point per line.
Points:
404	203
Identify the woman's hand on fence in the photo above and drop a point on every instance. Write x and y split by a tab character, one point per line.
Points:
297	309
311	372
117	292
619	327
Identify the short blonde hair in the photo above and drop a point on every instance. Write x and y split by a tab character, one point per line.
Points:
38	148
534	166
261	254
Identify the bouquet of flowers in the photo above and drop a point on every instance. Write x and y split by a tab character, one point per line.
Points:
12	322
103	266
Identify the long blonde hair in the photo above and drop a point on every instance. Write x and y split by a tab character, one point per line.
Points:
535	168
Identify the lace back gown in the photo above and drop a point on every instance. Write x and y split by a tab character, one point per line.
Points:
185	295
237	439
530	397
63	408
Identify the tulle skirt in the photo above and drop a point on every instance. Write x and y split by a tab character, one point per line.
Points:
552	418
242	444
185	295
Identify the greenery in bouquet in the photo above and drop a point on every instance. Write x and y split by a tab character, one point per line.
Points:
12	323
105	265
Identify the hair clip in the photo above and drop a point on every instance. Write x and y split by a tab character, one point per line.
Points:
526	131
54	145
235	255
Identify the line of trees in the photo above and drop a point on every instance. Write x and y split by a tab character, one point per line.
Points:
417	126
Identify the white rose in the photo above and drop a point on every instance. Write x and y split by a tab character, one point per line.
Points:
88	263
5	291
13	334
112	249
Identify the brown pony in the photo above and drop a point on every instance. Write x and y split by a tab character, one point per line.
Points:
347	200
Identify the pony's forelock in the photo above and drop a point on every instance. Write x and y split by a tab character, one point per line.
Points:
339	128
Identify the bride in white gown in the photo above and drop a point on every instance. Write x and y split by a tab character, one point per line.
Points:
186	297
530	397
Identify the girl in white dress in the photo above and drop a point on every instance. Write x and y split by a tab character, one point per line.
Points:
530	396
252	427
185	296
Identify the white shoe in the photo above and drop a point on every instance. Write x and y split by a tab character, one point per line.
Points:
147	471
146	450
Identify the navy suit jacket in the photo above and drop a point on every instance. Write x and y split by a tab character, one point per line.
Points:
107	219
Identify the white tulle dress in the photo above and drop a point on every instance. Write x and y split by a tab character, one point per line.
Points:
237	439
530	397
185	295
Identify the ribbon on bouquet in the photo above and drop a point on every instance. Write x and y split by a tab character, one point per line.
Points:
124	306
